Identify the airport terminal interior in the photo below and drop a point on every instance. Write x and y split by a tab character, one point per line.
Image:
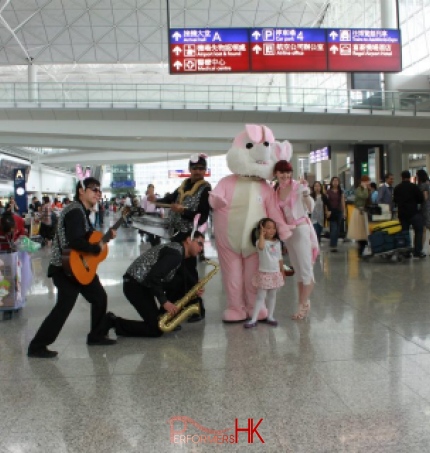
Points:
101	88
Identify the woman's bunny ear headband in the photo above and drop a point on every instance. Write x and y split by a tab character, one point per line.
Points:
283	151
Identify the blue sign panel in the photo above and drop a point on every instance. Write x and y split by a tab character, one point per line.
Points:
287	35
123	184
208	35
20	191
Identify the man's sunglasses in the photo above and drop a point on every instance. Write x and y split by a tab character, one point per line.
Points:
202	244
198	168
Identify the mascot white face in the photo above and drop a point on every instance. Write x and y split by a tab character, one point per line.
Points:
252	152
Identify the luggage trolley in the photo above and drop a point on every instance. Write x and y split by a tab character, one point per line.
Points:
388	241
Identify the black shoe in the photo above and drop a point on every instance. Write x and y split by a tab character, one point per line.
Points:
333	250
42	353
109	322
196	317
419	255
106	341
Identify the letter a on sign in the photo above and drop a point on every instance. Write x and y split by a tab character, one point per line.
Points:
216	37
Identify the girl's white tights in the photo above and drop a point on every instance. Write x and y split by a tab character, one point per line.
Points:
268	295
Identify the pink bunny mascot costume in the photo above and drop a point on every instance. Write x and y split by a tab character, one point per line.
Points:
239	201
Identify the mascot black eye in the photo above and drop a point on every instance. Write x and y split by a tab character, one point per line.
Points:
249	146
266	143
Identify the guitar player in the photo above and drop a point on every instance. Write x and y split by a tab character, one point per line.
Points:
72	231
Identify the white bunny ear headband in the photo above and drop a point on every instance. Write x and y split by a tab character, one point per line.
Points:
283	151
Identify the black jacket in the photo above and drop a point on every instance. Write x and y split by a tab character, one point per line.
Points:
408	197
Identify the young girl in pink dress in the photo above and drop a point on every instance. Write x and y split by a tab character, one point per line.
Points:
270	275
296	203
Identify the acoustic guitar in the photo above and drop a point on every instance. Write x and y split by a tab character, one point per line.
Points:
83	265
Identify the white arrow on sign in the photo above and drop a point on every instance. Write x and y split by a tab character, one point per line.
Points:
177	50
176	36
177	65
334	49
257	49
333	35
256	34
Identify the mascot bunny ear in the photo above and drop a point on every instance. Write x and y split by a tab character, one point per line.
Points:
283	151
79	172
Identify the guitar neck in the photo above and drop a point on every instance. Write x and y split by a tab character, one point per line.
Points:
115	226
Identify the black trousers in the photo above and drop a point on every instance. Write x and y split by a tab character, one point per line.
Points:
68	291
143	301
417	222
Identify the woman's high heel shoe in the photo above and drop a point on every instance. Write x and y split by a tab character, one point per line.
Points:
303	312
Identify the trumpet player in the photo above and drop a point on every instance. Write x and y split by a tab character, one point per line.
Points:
145	279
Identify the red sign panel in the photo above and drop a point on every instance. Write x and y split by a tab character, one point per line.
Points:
209	50
288	50
364	50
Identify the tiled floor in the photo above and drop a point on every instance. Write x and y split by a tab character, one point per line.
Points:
354	377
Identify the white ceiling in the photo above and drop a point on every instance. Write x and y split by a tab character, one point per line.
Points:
127	31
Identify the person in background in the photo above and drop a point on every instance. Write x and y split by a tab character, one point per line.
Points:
357	226
46	221
11	206
336	212
373	193
12	227
424	185
385	192
151	209
34	205
56	204
2	208
318	216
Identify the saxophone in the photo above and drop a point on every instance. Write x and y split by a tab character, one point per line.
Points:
169	322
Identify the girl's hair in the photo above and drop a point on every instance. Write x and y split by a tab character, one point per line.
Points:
422	176
313	189
283	166
255	233
373	185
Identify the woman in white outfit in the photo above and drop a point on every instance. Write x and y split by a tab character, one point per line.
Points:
296	203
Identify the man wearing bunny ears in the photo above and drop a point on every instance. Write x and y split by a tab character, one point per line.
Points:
190	198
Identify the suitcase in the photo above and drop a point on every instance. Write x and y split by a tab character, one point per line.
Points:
391	227
381	242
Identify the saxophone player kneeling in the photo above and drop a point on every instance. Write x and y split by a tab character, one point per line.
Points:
145	280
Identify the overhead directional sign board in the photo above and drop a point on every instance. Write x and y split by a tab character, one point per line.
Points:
209	50
288	49
364	50
221	50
